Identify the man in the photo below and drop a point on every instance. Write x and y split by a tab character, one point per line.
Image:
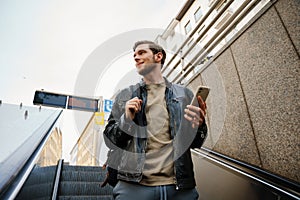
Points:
152	128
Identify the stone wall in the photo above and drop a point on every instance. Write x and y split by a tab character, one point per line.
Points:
254	104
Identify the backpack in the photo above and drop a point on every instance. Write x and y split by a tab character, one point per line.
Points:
110	165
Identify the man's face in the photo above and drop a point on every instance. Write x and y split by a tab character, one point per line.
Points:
145	61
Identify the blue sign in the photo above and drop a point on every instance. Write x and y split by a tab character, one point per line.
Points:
108	105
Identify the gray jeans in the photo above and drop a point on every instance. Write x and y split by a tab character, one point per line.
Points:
131	191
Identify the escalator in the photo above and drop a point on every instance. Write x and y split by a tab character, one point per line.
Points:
23	177
217	177
70	182
24	133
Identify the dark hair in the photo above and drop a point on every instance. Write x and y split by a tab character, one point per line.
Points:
155	48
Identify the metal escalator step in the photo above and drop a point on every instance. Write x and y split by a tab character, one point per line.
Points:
41	198
72	188
103	197
36	191
88	176
39	184
82	168
40	175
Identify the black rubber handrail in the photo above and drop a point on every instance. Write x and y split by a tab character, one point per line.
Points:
57	179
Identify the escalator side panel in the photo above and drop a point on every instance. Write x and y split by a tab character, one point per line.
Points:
215	181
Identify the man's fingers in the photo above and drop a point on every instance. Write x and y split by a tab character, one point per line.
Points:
134	105
202	104
195	121
195	115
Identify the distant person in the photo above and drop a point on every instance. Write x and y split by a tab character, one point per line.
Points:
152	127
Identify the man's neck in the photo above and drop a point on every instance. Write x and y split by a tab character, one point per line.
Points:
154	79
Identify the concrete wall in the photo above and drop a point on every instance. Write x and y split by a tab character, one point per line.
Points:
254	104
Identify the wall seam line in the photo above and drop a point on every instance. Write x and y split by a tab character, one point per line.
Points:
247	107
286	30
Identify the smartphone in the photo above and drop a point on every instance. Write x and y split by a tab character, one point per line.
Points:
202	91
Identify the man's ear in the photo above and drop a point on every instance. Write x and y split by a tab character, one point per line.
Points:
158	56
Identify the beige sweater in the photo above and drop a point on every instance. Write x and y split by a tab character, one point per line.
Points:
159	165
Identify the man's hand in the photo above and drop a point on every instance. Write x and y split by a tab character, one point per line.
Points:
132	107
194	114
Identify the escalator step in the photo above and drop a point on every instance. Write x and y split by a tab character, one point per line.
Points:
82	168
41	175
103	197
71	188
35	191
88	176
40	198
40	179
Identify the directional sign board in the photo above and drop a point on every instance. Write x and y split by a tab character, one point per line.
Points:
65	101
81	103
50	99
107	105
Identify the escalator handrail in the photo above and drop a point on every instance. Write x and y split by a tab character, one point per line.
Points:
57	179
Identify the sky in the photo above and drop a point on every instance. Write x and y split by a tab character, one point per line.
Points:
45	44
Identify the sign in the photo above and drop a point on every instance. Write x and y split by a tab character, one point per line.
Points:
65	101
82	103
108	105
50	99
99	118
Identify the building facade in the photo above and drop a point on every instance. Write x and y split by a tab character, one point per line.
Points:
200	30
52	151
89	149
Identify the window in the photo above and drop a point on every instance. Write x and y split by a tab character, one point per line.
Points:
188	27
198	14
190	42
200	29
224	19
221	5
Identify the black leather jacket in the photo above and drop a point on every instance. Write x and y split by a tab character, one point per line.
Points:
129	139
